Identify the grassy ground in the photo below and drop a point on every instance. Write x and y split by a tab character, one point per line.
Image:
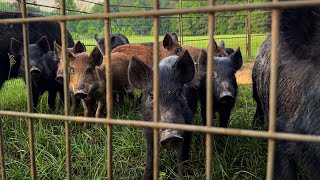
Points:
233	157
231	41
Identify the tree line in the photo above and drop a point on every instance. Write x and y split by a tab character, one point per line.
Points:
193	24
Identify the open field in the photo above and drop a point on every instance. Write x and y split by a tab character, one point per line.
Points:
231	41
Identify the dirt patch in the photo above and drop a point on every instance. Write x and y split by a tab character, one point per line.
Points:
244	74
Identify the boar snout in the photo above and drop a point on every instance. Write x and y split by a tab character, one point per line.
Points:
226	97
35	73
59	79
170	139
80	94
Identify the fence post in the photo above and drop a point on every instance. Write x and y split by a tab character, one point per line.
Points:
180	24
248	44
18	5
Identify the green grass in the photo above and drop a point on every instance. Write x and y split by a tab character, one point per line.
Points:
231	41
233	157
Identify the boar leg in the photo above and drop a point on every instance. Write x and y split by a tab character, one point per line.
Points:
224	116
88	109
258	118
203	112
285	168
131	99
183	154
35	98
148	171
52	99
100	109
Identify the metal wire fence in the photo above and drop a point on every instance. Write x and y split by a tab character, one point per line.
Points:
155	13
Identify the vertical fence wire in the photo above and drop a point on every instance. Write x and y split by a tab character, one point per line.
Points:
181	23
65	59
108	88
156	26
2	161
248	31
25	30
209	90
273	89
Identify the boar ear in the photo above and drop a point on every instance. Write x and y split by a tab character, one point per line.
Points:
184	67
58	51
96	56
221	44
174	37
167	41
138	73
202	61
100	71
236	58
215	46
79	48
96	37
43	44
16	46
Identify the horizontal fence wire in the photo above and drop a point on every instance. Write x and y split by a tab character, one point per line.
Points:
161	12
195	128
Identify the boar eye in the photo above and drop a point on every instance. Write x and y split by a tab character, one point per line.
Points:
72	70
177	52
39	55
180	94
89	71
151	96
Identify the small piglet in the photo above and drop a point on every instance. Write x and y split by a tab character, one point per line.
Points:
177	103
79	47
224	84
43	68
84	80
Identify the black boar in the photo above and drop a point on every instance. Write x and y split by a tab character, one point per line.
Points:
43	68
224	84
178	101
298	92
116	40
9	67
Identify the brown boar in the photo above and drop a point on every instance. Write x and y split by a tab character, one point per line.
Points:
120	84
79	47
144	51
195	51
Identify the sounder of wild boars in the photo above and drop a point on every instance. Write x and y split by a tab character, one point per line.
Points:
84	80
116	40
144	51
195	51
177	103
9	64
298	91
43	68
79	47
224	84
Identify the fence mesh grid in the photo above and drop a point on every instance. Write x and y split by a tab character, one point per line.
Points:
156	13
